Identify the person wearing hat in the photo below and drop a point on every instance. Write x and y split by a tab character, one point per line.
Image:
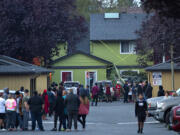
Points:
25	110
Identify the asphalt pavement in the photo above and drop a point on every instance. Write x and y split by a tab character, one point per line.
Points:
114	118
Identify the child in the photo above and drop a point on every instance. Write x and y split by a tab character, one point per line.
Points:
141	112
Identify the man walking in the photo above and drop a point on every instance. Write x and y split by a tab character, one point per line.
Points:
36	108
72	103
95	91
25	110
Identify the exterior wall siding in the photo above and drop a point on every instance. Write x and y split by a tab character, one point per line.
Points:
14	82
111	51
41	83
62	50
166	81
79	74
79	60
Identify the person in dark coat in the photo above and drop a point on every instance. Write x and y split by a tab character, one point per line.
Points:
145	87
140	88
72	103
59	111
161	91
36	105
141	112
126	91
51	99
148	92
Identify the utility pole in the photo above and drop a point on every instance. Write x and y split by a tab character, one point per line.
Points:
172	66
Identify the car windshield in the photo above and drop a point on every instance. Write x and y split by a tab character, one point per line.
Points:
178	92
107	83
71	84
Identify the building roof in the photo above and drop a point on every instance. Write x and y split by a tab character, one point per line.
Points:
10	66
164	66
81	52
122	28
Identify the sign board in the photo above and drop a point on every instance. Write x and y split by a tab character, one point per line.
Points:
157	78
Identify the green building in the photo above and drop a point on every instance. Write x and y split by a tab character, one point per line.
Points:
109	50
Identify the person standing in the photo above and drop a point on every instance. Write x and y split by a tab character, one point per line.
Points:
95	91
36	105
25	110
6	93
161	91
83	110
141	112
149	90
10	104
72	103
87	91
46	104
118	90
134	92
108	94
65	120
2	112
19	110
59	111
140	88
126	91
51	99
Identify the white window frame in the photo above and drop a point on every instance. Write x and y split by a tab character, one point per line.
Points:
91	71
130	43
67	71
134	70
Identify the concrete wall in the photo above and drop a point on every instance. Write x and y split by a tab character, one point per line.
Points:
166	81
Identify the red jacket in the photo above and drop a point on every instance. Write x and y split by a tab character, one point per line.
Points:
84	109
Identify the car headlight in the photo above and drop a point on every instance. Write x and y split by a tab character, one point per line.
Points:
160	105
178	112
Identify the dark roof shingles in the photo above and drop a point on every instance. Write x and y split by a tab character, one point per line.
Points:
123	28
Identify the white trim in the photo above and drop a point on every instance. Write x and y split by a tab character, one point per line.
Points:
67	71
134	70
91	71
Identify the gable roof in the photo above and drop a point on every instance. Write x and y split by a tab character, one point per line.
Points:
123	28
165	66
10	66
80	52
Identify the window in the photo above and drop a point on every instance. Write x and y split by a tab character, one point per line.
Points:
111	15
127	47
66	76
125	72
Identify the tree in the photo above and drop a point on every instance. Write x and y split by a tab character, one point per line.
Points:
155	38
31	28
87	7
168	8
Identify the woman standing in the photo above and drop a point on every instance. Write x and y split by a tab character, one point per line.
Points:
11	112
46	104
83	110
141	112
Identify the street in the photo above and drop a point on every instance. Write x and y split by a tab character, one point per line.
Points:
107	119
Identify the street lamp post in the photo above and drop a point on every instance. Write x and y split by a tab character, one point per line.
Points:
172	67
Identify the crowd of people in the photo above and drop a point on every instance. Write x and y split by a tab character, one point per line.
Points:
17	109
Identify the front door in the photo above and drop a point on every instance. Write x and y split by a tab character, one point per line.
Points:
32	86
90	78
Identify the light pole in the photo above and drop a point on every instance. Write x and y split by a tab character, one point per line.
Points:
172	67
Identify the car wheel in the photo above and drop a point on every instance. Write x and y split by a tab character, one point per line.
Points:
167	118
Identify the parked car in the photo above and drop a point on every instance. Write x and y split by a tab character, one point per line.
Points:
152	105
164	107
175	118
104	83
71	85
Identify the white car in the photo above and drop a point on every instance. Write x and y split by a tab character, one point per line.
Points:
71	85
